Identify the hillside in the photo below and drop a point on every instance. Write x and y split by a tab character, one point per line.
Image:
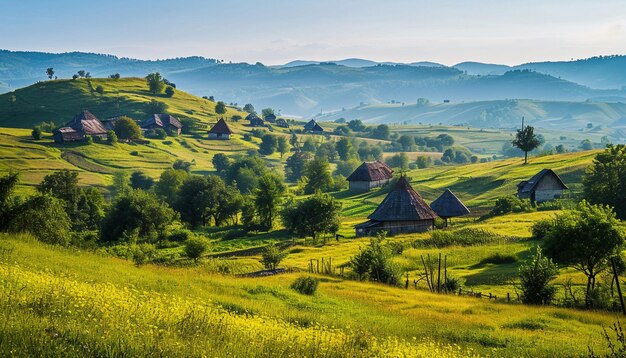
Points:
561	115
59	100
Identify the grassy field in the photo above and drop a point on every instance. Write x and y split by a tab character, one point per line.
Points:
62	302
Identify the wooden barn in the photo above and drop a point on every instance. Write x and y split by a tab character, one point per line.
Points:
313	127
220	130
164	121
83	124
254	120
370	175
281	122
449	206
544	186
402	211
270	118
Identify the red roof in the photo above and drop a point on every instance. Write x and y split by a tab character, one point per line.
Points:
221	128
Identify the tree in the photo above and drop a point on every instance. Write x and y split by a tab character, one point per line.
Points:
382	131
295	165
137	216
100	90
424	161
195	247
128	129
605	179
266	112
585	144
268	144
156	107
139	180
344	149
282	146
8	184
272	256
535	276
202	199
121	184
74	77
585	239
169	182
249	108
36	133
346	168
111	137
267	198
312	216
81	73
50	72
526	140
236	118
220	107
374	263
318	172
356	125
115	76
221	162
169	91
155	83
399	160
45	217
406	141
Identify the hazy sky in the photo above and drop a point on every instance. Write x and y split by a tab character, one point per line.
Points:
277	31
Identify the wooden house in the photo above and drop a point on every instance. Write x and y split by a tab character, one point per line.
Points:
166	122
281	122
449	206
402	211
369	175
313	127
270	118
544	186
254	120
220	130
82	125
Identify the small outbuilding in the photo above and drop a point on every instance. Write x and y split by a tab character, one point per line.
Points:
281	122
220	130
82	125
254	120
164	121
313	127
402	211
369	175
544	186
270	118
449	206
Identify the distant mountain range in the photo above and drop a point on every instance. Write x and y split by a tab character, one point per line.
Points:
305	88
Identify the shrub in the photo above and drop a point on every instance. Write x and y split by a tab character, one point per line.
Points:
134	153
247	137
100	90
143	253
541	228
306	285
374	263
452	284
509	204
169	91
195	247
36	133
89	139
179	235
535	277
272	256
111	137
498	259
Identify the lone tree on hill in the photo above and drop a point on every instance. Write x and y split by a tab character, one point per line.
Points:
155	83
50	72
526	140
220	107
126	128
313	216
249	108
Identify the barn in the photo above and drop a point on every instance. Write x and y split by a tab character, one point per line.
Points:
313	127
83	124
447	206
166	122
544	186
370	175
220	130
402	211
255	121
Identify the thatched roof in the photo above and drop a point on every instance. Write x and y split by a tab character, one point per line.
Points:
403	203
371	171
86	123
528	186
449	206
221	128
161	120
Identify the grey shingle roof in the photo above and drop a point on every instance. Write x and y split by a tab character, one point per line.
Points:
371	171
448	205
528	186
403	203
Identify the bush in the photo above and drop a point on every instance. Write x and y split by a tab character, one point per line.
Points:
111	137
374	263
179	235
498	259
134	153
89	139
143	254
169	91
509	204
306	285
461	237
272	256
247	137
535	277
195	247
100	90
541	228
452	284
36	133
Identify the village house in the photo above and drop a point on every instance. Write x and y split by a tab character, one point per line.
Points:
254	120
370	175
220	130
164	121
270	118
109	123
82	125
313	127
281	122
402	211
544	186
449	206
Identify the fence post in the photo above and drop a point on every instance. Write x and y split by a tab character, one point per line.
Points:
439	274
508	297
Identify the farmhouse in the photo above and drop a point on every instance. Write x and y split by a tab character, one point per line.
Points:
544	186
313	127
402	211
164	121
220	130
449	206
270	118
370	175
255	121
281	122
83	124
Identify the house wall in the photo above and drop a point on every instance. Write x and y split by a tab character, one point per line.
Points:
549	182
397	227
547	195
366	185
219	136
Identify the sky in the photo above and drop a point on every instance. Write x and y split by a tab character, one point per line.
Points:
278	31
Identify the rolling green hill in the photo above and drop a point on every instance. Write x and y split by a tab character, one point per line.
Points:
59	100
